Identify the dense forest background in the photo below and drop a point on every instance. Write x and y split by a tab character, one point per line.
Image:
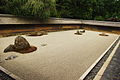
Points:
80	9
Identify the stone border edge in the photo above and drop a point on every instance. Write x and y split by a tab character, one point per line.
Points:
10	74
101	71
95	63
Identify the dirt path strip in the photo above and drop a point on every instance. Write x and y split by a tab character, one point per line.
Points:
96	62
100	73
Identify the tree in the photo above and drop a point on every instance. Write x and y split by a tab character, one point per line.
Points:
34	8
82	9
88	9
2	7
75	8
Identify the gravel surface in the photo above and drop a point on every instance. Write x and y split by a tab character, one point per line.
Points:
65	57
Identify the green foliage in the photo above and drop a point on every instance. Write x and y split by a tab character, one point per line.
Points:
38	8
2	7
82	9
75	8
99	18
88	9
35	8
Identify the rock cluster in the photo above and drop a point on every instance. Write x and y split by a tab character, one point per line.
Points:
11	57
80	32
38	33
20	45
103	34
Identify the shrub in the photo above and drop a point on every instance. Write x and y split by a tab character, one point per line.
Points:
99	18
34	8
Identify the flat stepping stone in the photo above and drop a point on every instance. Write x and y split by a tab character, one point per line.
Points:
43	44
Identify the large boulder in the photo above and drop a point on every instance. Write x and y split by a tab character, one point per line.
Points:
21	43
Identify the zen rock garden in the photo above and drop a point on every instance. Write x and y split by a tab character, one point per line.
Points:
20	45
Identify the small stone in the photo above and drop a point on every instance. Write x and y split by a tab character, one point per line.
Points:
11	57
43	44
35	34
38	33
44	32
103	34
9	48
78	33
82	31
